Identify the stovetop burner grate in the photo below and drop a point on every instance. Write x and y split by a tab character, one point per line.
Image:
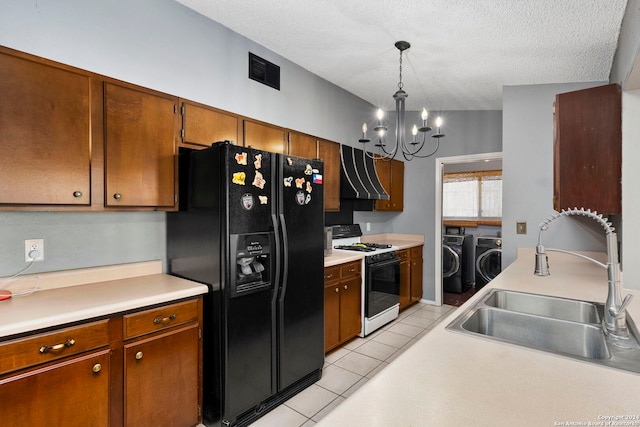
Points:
363	247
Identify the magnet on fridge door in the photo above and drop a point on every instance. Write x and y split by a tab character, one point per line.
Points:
247	201
300	198
287	181
238	178
289	161
308	170
299	182
259	181
309	187
264	200
307	199
258	161
317	178
241	158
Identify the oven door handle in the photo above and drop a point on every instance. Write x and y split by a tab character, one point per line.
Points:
384	263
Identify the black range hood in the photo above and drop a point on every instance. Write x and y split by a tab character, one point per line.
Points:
359	179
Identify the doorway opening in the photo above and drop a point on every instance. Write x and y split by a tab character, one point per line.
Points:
460	163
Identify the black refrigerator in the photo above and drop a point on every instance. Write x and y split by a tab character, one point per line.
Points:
250	226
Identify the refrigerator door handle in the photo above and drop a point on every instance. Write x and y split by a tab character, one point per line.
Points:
278	253
285	256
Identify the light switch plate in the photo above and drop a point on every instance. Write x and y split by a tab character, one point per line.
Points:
521	227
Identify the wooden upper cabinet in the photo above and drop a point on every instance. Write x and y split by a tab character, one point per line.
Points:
203	125
139	147
588	150
303	145
391	176
45	140
329	152
262	136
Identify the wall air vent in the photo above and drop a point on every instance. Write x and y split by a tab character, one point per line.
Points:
264	71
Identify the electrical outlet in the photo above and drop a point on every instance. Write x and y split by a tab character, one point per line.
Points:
34	250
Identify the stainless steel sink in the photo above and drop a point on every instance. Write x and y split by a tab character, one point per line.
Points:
560	326
576	339
557	308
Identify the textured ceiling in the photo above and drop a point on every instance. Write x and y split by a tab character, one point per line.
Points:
462	51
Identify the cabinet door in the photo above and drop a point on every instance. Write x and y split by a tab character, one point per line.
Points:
161	379
331	315
416	274
73	392
405	284
350	319
302	145
588	150
139	148
329	152
202	126
45	141
383	169
397	186
265	137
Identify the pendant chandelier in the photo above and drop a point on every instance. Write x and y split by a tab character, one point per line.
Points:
411	149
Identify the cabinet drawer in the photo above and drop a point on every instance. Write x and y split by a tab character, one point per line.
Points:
331	273
25	352
160	318
351	269
403	254
416	252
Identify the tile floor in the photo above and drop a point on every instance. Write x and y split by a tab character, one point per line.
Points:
349	367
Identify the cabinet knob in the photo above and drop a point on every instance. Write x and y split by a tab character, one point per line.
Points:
337	289
117	196
77	194
97	368
139	355
328	276
346	287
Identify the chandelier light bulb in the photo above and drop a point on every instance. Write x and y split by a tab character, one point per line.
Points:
439	122
425	114
414	131
381	133
364	129
380	114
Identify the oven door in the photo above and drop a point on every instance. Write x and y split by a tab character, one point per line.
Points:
382	286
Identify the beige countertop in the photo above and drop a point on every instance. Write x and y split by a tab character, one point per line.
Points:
402	241
82	294
451	379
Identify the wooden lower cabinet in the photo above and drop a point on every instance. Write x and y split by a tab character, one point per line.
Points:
342	304
405	278
140	369
410	276
161	379
415	260
70	392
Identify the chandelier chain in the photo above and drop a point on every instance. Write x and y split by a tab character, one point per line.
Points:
400	84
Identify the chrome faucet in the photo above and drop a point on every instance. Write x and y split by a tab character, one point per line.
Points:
615	319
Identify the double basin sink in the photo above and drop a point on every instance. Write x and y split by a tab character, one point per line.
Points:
560	326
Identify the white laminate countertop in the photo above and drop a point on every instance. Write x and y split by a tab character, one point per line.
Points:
57	305
402	241
452	379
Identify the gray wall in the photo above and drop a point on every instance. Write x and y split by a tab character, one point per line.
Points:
527	191
162	45
626	71
467	132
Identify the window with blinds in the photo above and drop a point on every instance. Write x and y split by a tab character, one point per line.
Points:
472	196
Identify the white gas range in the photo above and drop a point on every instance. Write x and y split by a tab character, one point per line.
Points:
380	281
